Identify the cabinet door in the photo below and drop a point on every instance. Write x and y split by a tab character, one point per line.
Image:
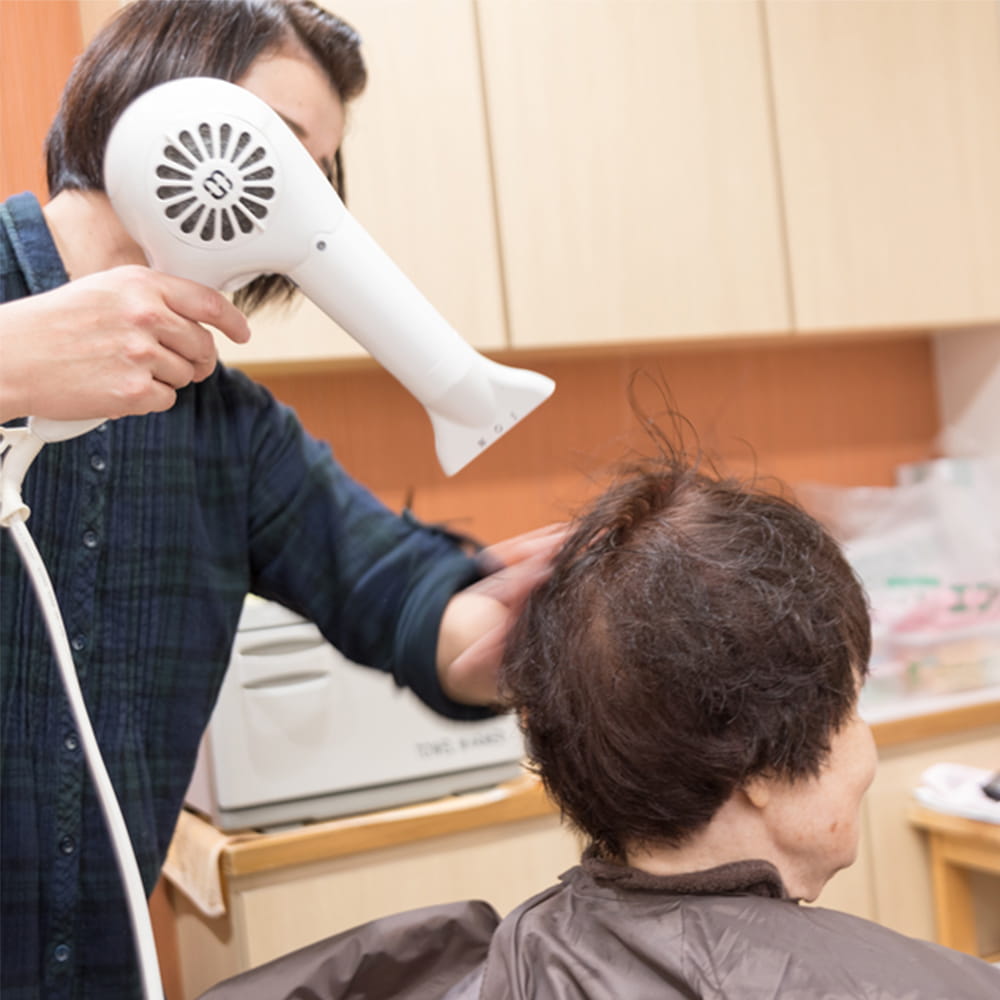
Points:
888	121
634	169
418	179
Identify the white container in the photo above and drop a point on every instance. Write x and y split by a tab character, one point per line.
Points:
300	733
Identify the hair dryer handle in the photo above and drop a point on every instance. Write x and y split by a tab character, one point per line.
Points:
19	446
51	431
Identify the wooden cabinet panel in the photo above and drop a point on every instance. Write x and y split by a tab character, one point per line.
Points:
503	867
901	877
888	122
634	169
418	177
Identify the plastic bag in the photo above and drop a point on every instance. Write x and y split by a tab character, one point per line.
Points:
928	554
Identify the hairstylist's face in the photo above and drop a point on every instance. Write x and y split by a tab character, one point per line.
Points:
293	84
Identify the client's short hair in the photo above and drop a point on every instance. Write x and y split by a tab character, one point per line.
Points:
697	631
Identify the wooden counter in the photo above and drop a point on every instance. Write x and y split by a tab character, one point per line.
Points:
931	718
520	799
959	847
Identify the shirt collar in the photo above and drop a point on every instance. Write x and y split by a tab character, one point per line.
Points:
751	877
30	241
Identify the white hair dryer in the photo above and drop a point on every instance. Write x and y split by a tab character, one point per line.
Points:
214	187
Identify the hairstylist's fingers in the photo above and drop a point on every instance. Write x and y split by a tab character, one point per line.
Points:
511	584
202	304
160	397
542	542
176	368
184	352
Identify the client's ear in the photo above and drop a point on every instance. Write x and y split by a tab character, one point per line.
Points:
759	790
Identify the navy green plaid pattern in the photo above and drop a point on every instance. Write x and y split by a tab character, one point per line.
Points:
154	529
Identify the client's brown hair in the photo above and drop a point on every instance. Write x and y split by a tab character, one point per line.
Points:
696	631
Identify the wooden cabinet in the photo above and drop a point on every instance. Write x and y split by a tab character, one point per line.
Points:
901	880
594	172
590	172
887	116
418	178
634	167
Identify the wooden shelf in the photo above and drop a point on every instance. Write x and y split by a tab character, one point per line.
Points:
958	846
929	725
521	798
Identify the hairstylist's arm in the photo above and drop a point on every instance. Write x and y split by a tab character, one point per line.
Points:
111	344
477	619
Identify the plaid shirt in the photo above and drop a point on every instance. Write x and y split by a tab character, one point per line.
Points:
154	529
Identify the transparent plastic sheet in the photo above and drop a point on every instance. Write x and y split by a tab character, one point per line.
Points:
928	553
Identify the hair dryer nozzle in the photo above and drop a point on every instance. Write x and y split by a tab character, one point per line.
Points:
500	394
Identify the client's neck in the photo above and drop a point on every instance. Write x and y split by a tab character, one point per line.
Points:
88	234
737	832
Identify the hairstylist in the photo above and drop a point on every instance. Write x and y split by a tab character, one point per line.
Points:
155	526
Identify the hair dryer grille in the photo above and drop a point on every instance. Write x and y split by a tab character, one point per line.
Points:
217	182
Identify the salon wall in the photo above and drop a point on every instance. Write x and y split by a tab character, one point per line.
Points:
843	410
39	39
967	363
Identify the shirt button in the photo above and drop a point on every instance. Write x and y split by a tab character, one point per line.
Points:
90	539
79	642
67	845
97	463
71	742
61	953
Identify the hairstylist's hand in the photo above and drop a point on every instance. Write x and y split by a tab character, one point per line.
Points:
476	621
113	343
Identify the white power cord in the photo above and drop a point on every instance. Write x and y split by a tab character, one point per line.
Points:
18	448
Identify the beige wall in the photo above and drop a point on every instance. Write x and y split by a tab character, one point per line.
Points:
93	14
967	365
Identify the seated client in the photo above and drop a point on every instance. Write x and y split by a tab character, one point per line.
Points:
687	681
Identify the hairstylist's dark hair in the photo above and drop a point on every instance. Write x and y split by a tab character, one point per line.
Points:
696	631
152	41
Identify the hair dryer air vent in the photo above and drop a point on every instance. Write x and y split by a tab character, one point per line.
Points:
217	182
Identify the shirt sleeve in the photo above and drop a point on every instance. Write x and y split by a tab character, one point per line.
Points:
376	583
